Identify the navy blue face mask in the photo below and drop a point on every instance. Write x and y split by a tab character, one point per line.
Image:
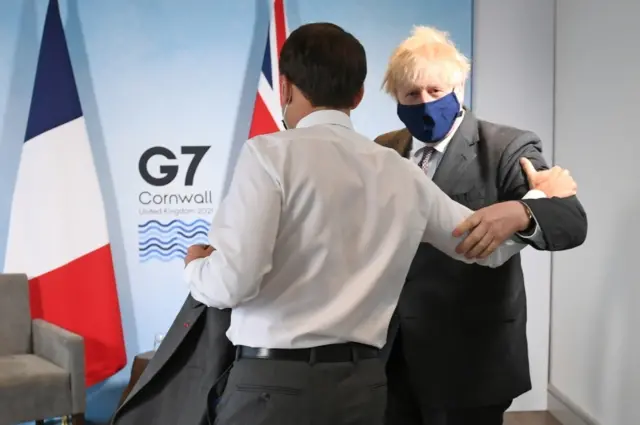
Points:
431	121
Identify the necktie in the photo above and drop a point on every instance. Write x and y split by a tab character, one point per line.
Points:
426	156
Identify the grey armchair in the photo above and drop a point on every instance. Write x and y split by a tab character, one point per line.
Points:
41	365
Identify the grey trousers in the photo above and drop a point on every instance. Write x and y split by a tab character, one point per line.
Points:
274	392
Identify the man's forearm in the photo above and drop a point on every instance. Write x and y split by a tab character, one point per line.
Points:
444	214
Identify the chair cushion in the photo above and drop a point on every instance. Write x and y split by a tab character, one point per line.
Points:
32	388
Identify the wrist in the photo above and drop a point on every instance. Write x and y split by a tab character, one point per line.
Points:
524	217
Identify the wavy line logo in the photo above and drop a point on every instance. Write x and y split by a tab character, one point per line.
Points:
169	241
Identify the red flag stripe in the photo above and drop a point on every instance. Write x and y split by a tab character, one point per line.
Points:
262	122
281	24
94	313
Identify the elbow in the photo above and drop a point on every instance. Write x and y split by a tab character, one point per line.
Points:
502	254
583	224
231	296
579	239
215	286
581	233
206	298
219	300
495	264
493	261
580	226
224	304
221	284
224	297
236	289
574	232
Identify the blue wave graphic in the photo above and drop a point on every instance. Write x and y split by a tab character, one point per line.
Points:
199	228
164	259
161	247
172	223
153	241
180	233
169	241
176	250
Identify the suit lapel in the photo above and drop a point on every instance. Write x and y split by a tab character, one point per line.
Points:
191	311
459	154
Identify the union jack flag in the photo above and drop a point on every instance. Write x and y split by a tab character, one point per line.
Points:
267	112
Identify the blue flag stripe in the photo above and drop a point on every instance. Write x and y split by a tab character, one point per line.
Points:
55	98
266	64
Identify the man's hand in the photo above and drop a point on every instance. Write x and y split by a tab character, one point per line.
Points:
489	227
198	251
556	182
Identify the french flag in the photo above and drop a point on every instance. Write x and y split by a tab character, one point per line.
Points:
267	112
58	230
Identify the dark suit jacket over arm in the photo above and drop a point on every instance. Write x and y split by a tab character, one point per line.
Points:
186	374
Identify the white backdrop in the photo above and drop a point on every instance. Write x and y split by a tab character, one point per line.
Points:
595	342
513	83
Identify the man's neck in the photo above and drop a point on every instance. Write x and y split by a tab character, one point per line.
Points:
322	108
311	109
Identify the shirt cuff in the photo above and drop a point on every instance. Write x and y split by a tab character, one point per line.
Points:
534	194
536	235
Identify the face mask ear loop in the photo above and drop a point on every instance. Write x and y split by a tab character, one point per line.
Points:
284	113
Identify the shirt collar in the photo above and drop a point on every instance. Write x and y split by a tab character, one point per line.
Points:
441	146
326	116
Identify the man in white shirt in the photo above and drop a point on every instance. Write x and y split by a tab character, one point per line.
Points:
312	243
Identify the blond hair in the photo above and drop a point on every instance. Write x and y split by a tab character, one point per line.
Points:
428	53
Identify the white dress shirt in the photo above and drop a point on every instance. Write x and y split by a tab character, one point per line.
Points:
439	148
316	235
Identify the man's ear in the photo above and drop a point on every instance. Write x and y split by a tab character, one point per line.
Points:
285	90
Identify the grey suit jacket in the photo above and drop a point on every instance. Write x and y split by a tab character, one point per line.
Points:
187	373
462	326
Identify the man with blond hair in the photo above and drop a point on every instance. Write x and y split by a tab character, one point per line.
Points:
457	347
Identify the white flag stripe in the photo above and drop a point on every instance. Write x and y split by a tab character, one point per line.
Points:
57	213
270	100
275	65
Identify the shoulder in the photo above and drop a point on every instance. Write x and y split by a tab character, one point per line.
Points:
278	143
391	138
268	151
397	140
501	136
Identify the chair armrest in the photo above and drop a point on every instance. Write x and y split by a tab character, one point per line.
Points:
66	350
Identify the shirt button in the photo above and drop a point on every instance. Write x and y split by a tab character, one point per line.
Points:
265	396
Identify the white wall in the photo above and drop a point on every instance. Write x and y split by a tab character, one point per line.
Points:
595	348
513	84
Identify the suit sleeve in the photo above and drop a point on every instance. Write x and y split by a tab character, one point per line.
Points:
562	221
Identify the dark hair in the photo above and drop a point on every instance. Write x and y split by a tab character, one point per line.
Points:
326	63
